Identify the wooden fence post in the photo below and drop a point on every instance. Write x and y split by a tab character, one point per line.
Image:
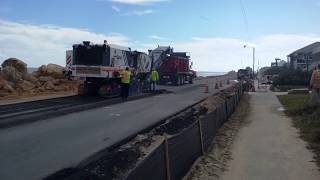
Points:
201	136
166	146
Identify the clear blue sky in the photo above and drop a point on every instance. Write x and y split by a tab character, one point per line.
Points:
170	20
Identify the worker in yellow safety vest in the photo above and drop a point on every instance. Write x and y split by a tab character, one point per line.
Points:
154	78
315	85
125	83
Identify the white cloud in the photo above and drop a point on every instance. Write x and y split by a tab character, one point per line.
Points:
138	2
139	12
225	54
155	37
42	44
116	9
143	12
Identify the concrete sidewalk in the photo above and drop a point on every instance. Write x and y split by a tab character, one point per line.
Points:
268	147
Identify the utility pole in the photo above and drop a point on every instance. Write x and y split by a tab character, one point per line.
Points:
253	58
258	66
277	59
254	51
258	73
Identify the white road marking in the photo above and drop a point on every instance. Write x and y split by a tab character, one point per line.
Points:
114	114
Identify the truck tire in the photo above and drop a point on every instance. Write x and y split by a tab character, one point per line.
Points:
175	80
90	89
190	80
161	82
183	79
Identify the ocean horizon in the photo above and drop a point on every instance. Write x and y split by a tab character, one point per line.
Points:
31	69
208	73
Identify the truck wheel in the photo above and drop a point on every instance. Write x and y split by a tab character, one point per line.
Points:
183	80
190	80
175	80
161	82
90	89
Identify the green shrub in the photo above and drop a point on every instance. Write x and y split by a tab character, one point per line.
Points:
289	76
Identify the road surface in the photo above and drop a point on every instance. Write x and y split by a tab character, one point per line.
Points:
268	147
35	150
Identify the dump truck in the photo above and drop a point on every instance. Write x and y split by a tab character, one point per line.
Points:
173	67
100	66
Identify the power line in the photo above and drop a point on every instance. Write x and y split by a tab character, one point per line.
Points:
244	15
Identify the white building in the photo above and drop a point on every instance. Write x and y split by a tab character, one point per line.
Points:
305	58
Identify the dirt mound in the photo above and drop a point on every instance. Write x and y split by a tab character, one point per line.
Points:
11	74
5	87
53	70
212	102
15	81
14	70
19	65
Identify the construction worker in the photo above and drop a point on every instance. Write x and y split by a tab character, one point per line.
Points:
315	85
154	78
125	83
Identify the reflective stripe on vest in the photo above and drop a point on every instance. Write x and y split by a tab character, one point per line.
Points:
125	77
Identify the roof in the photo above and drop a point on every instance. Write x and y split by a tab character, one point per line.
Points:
162	48
308	49
110	45
182	54
119	47
317	50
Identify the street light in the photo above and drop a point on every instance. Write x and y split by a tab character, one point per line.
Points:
253	57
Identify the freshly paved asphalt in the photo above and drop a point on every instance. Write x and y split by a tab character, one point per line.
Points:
36	150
